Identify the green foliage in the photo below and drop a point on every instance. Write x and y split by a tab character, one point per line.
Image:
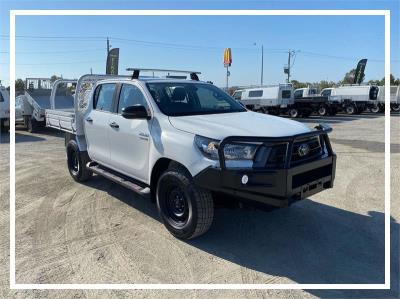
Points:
19	85
54	78
349	77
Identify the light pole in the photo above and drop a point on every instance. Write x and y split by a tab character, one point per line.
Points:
262	63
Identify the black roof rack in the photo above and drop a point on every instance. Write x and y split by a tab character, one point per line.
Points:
136	72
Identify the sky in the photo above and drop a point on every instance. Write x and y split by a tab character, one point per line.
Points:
326	47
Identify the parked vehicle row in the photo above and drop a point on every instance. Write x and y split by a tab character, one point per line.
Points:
302	102
183	141
30	107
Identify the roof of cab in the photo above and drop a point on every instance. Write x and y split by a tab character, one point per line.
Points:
150	79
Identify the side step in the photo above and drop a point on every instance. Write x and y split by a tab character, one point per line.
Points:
118	178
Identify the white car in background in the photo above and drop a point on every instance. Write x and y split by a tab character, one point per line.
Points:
4	109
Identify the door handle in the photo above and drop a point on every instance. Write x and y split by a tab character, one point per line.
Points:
144	136
114	125
89	120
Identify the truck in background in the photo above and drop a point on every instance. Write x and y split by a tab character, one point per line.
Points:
353	99
4	109
307	100
394	100
30	107
269	99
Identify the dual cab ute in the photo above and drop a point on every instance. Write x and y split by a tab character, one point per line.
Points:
183	141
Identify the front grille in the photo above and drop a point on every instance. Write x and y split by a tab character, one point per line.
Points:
315	150
271	156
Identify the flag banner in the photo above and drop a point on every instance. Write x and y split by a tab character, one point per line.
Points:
112	62
359	74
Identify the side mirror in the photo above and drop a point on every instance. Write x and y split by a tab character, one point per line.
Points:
135	112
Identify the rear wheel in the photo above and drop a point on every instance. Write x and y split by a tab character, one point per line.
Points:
186	210
322	110
350	109
395	107
77	161
293	112
375	109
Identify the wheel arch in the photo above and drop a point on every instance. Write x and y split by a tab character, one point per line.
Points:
158	168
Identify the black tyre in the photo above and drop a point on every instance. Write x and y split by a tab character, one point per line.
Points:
350	109
395	107
375	109
186	210
293	112
322	110
77	161
3	128
31	124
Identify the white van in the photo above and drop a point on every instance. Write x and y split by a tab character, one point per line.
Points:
267	99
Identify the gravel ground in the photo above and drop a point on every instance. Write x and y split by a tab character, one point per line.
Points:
99	232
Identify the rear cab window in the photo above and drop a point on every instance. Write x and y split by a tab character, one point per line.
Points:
104	96
1	97
286	94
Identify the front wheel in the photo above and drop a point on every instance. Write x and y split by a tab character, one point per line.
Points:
186	210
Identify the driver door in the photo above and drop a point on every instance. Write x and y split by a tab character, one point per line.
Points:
130	138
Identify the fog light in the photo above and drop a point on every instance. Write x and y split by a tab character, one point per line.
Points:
245	179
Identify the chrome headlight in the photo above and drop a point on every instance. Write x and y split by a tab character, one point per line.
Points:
239	151
236	151
208	146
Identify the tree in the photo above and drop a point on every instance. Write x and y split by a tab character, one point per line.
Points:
54	78
393	81
297	84
325	84
19	85
349	77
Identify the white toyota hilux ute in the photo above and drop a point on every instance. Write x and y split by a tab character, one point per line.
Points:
184	141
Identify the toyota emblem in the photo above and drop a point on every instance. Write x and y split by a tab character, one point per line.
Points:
303	150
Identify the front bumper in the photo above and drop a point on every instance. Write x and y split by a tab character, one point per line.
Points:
277	187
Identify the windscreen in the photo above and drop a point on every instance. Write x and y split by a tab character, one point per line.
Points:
181	98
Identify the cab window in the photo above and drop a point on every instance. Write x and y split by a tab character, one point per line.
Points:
237	95
298	94
326	93
104	97
255	93
1	97
130	96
